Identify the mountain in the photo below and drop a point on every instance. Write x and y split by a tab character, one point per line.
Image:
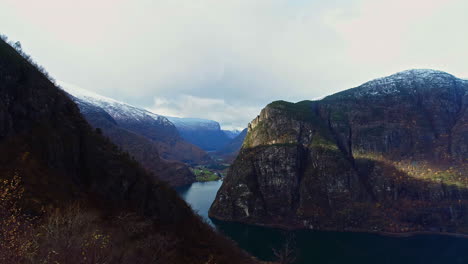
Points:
388	156
206	134
155	128
60	160
231	149
143	149
232	133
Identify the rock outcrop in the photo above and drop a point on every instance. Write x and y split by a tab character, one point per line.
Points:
390	155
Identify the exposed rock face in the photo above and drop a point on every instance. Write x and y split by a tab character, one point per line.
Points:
390	155
206	134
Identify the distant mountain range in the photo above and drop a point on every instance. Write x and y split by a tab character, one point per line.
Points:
229	151
388	156
232	133
206	134
148	136
145	135
203	133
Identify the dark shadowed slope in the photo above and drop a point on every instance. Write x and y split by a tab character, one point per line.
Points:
143	149
45	140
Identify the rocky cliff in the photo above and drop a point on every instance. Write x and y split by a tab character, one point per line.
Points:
390	155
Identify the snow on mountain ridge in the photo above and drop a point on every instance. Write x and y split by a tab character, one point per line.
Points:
412	74
394	83
194	123
118	110
232	133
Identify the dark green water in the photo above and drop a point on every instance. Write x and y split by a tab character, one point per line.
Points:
315	247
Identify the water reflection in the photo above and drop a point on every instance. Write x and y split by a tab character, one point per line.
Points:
200	195
331	247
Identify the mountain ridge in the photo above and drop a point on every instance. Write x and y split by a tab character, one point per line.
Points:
204	133
144	150
157	128
326	164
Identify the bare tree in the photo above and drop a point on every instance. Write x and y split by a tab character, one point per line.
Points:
17	46
286	254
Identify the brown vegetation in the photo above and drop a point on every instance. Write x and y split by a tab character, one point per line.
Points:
83	235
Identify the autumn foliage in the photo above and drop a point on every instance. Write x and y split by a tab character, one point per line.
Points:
16	230
72	235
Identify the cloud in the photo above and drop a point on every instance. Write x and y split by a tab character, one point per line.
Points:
382	37
379	29
234	117
243	53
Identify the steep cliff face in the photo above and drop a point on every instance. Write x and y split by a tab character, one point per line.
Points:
418	114
390	155
45	140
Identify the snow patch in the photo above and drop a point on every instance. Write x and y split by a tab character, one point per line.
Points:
118	110
194	123
394	84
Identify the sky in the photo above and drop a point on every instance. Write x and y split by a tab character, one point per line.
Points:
226	59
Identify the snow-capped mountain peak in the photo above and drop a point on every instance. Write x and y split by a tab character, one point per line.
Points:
398	82
194	123
118	110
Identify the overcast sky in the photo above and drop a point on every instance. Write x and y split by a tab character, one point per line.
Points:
226	59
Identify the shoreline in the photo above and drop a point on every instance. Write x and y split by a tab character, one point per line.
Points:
381	233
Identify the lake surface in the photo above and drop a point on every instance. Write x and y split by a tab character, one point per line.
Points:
316	247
